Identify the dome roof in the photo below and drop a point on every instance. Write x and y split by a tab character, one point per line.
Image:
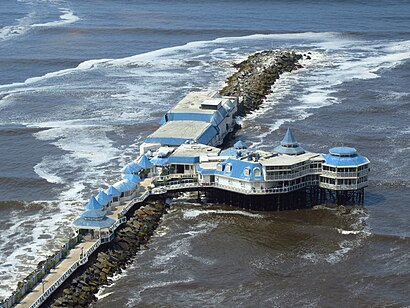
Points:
344	157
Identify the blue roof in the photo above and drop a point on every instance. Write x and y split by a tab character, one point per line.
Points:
124	185
207	135
103	198
93	204
230	152
345	161
144	162
205	171
238	167
93	214
106	222
183	159
288	139
289	145
239	145
132	167
132	177
159	161
112	192
343	151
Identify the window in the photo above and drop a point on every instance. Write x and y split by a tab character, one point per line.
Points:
228	167
256	171
219	167
246	171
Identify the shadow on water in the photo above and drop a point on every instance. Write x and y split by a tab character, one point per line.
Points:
374	199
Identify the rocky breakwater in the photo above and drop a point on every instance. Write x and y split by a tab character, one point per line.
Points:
112	257
256	75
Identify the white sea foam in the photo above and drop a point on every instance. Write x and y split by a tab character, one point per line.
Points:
26	23
193	213
32	237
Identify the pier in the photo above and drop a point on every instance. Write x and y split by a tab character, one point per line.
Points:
182	155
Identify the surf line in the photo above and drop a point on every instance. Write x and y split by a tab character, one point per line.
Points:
170	162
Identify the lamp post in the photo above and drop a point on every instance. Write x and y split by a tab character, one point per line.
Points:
43	283
82	252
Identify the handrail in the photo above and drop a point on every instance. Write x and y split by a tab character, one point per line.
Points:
66	274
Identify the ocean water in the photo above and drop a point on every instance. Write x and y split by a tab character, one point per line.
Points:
83	82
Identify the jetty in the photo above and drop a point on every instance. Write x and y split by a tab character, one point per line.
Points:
184	154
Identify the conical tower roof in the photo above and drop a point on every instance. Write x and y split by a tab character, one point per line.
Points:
144	162
289	145
93	204
289	139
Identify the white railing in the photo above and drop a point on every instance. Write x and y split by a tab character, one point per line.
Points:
340	174
65	275
175	176
292	176
265	190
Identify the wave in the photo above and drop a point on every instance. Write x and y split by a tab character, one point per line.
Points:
26	24
193	213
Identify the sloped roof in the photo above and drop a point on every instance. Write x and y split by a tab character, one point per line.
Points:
239	145
289	145
83	223
344	157
159	161
103	198
93	204
112	192
144	162
124	185
93	214
288	139
132	167
238	167
132	177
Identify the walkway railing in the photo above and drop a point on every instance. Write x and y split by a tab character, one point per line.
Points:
65	275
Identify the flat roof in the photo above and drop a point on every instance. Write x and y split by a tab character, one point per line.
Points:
181	129
193	101
185	150
288	160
